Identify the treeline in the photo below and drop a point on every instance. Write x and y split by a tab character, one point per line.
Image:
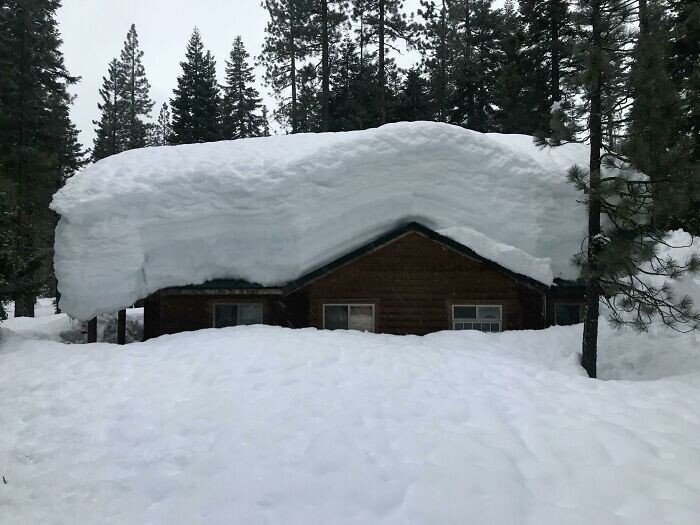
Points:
200	110
39	146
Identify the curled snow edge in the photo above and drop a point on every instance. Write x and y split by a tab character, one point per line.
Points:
268	210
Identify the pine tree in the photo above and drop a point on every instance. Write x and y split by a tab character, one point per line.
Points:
242	105
136	100
110	133
196	102
287	44
434	31
511	115
620	253
382	23
37	143
413	99
548	60
473	71
162	129
328	18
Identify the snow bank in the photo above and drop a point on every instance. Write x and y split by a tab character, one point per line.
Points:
265	425
270	209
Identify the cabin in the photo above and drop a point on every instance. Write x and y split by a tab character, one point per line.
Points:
409	228
411	280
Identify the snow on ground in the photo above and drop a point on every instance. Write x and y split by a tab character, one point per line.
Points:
265	425
270	209
60	327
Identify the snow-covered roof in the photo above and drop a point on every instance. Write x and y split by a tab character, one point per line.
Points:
270	209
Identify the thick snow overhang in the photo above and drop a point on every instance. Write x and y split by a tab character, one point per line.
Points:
269	210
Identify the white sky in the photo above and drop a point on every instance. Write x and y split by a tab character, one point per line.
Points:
93	32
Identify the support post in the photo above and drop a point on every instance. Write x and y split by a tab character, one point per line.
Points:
92	330
121	327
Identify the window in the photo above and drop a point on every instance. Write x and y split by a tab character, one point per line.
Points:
486	318
566	314
348	317
234	314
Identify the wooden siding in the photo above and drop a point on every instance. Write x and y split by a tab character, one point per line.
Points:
413	282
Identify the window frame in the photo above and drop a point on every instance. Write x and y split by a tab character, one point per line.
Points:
581	312
455	320
236	304
348	305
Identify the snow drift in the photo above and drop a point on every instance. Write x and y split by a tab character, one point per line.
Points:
269	209
264	425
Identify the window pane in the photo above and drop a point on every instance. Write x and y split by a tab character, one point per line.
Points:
335	317
489	312
568	314
495	327
361	318
225	315
464	312
250	313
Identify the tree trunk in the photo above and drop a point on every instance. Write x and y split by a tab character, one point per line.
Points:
555	46
443	64
121	327
24	305
293	68
382	73
92	330
325	67
590	324
643	18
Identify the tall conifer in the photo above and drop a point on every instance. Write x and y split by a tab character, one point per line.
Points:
135	95
196	102
242	105
38	147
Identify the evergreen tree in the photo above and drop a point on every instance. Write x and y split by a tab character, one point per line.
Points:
354	89
288	37
331	17
413	99
435	33
547	60
685	72
110	133
136	100
37	143
511	115
242	104
162	129
654	141
474	68
196	102
382	23
620	253
308	103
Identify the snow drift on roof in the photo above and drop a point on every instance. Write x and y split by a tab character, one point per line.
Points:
507	256
268	210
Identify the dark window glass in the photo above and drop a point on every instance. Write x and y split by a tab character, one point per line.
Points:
237	314
336	316
567	314
250	313
225	315
465	312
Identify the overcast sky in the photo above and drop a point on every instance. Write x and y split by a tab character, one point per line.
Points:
94	31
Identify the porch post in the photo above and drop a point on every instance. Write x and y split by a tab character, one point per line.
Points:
121	327
92	330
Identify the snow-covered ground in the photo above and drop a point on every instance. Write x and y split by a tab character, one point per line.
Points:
264	425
